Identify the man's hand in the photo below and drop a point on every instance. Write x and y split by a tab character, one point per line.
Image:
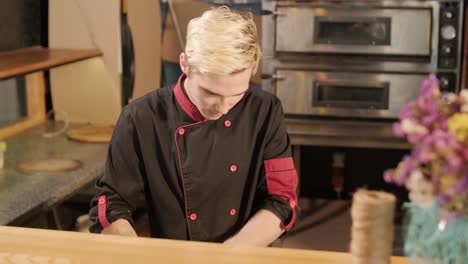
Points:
120	227
261	230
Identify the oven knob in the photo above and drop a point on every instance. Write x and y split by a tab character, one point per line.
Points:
446	49
448	14
448	32
444	83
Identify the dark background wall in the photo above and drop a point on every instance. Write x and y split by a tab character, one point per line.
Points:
363	168
23	23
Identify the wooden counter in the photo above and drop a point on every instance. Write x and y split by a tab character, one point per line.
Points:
45	246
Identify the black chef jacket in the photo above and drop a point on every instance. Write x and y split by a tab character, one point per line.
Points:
202	179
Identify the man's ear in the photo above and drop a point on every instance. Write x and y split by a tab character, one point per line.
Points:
184	63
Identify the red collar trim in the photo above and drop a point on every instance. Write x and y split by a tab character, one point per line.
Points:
188	107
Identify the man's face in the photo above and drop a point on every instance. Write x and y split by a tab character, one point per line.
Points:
214	95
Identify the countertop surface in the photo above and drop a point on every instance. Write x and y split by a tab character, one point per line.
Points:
22	193
47	246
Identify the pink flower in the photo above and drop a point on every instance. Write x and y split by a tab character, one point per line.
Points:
428	104
415	138
388	176
421	153
428	120
429	85
454	161
407	111
398	130
465	153
404	169
440	145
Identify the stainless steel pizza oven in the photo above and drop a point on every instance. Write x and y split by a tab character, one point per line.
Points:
358	59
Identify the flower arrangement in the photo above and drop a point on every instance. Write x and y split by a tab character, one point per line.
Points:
436	174
436	125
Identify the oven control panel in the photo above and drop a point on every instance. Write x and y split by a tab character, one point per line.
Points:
448	35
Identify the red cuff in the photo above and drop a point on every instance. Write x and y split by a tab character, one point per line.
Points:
102	208
281	179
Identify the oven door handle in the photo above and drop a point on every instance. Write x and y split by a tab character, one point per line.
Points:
275	77
379	94
353	83
274	13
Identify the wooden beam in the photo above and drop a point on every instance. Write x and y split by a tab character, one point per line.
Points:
35	93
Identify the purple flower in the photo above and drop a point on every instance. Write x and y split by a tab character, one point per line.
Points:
462	185
429	85
449	170
465	153
436	150
453	142
407	111
421	153
440	145
430	119
404	169
443	198
429	105
416	138
443	124
388	176
454	161
438	133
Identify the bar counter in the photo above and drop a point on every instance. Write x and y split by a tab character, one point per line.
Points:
24	245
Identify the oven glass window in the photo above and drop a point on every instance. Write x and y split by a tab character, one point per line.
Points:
353	31
350	96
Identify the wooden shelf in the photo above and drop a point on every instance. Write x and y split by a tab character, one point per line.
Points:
23	61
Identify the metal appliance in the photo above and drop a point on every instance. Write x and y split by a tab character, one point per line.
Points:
358	59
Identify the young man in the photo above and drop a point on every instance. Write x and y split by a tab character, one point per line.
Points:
211	156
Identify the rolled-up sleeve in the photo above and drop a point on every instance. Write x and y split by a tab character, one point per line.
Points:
121	184
279	182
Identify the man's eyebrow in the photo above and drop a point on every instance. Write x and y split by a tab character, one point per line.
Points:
213	93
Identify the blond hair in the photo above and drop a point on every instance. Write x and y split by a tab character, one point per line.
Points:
222	41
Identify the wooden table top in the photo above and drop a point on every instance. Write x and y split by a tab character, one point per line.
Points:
25	245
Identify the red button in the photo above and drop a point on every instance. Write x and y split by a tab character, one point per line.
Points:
181	131
292	204
102	200
233	211
233	168
227	123
193	217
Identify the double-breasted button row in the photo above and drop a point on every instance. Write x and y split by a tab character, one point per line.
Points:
194	216
181	130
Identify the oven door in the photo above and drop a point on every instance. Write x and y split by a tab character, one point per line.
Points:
345	94
382	31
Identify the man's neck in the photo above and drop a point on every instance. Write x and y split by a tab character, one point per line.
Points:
186	89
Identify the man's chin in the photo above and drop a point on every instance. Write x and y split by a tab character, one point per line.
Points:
210	116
